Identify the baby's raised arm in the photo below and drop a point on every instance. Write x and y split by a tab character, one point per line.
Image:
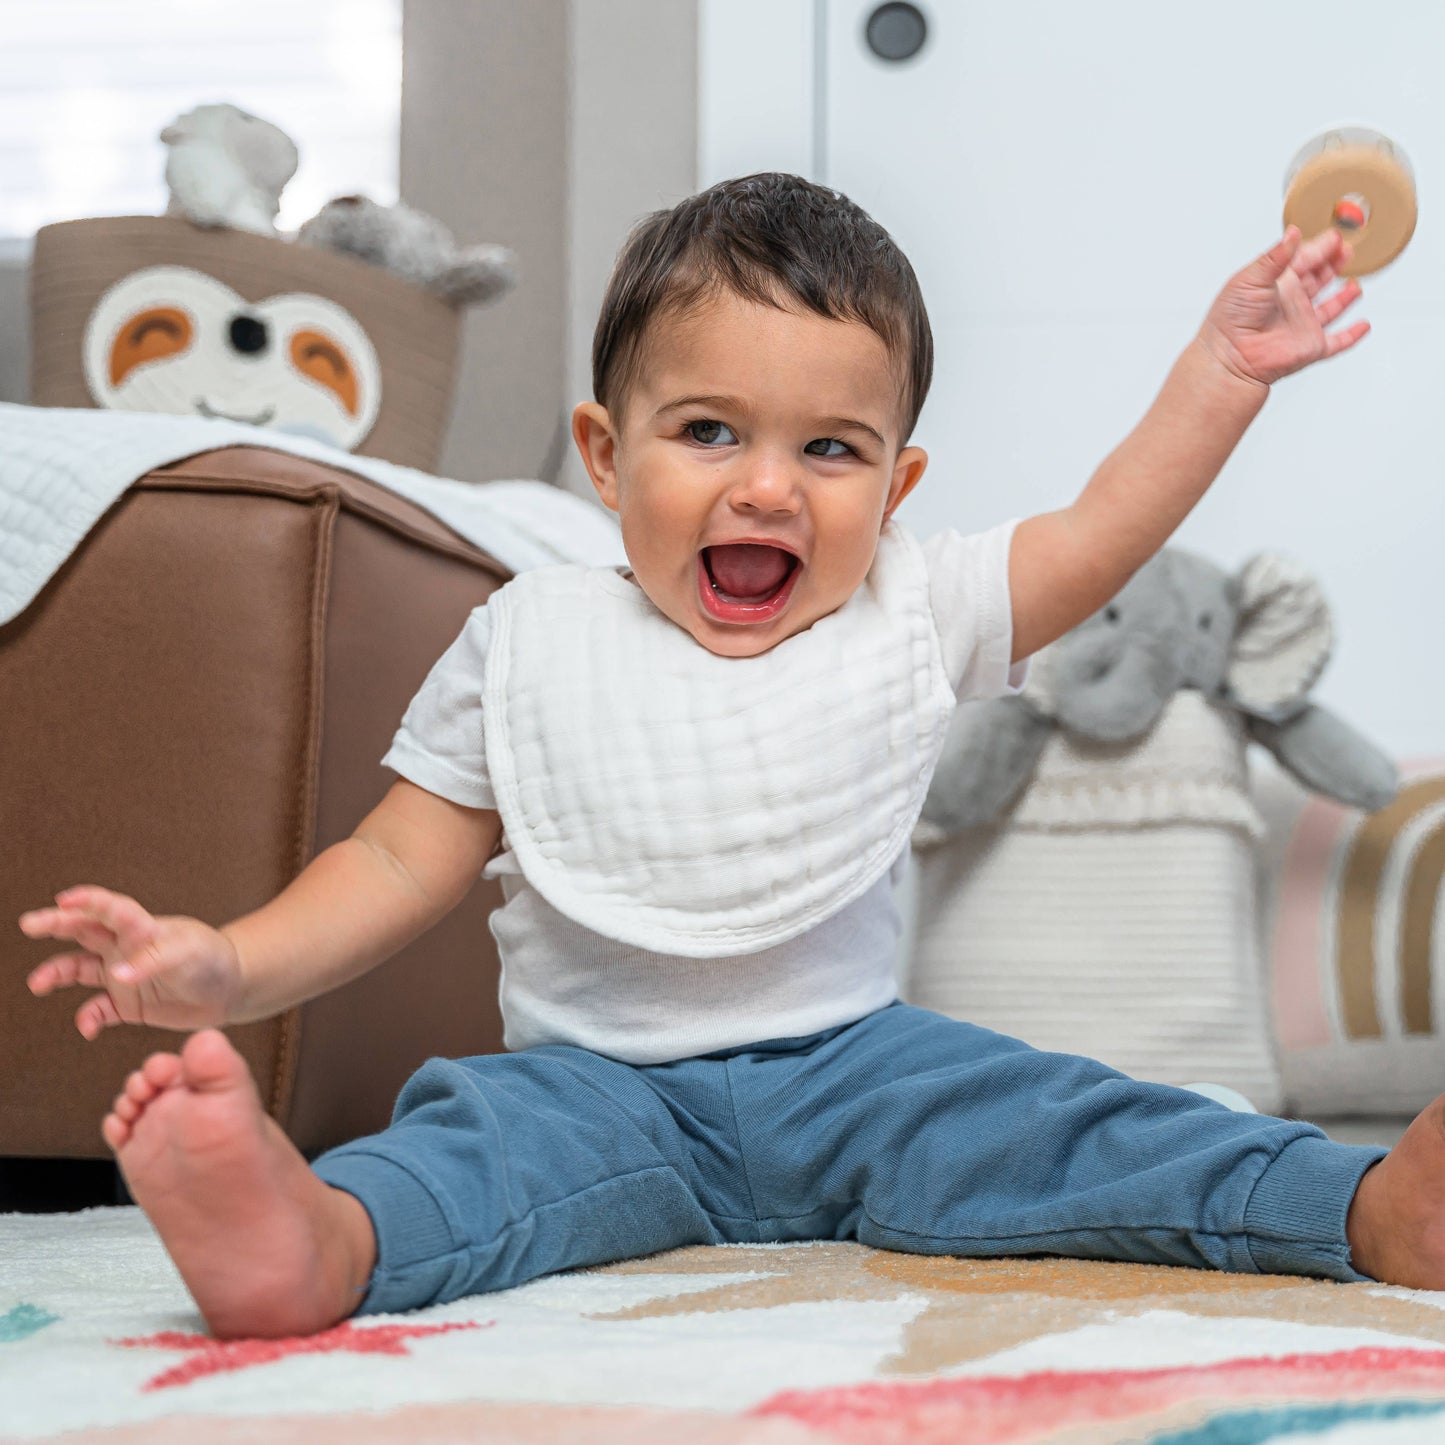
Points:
1264	325
409	862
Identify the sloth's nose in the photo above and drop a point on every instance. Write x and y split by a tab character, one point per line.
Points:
249	335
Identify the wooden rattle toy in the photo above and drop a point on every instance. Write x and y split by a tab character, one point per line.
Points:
1359	182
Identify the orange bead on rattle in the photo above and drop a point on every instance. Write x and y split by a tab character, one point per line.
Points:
1359	182
1349	214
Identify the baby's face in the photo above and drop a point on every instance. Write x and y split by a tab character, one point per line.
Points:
753	467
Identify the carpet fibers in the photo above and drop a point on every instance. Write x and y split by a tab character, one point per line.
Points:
824	1344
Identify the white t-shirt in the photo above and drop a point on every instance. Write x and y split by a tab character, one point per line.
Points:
566	983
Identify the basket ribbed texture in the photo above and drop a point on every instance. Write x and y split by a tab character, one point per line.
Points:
416	335
1114	913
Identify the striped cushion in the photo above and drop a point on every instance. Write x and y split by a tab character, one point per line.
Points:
1355	942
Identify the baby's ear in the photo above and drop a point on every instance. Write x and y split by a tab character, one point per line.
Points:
597	443
907	473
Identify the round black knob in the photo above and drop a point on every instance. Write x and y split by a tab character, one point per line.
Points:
896	31
248	334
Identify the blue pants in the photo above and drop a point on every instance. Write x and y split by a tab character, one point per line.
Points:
905	1130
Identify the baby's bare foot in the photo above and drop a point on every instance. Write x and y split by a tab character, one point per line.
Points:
1396	1224
263	1245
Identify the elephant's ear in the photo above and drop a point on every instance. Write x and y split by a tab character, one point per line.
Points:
1282	640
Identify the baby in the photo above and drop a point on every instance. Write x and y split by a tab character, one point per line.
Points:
695	779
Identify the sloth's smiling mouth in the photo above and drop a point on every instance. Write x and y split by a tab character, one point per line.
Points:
260	418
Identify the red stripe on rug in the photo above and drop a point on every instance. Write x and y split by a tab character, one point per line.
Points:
215	1357
1000	1408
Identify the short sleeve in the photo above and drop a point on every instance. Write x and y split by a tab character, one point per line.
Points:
440	745
968	586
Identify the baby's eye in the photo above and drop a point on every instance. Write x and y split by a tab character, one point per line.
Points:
710	433
828	447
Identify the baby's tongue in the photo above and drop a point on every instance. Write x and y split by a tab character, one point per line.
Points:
746	570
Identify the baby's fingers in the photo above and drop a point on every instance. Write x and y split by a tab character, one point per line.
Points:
66	969
1265	270
1333	306
97	1013
1338	341
1328	249
67	923
1314	279
132	925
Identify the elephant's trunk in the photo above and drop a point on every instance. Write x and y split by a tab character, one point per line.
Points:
1110	687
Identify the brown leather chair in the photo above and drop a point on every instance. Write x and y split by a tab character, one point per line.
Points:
193	707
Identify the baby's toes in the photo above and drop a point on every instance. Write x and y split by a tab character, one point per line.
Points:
115	1131
142	1086
161	1071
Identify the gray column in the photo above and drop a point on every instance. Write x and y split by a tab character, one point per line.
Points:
633	150
14	322
484	147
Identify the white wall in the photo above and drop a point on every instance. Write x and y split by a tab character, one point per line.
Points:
759	87
1073	183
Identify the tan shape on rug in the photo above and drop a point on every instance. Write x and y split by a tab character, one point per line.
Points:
976	1307
1080	1279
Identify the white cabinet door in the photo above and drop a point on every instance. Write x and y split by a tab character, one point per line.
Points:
1073	183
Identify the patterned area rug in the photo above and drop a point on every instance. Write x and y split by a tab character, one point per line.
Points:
826	1344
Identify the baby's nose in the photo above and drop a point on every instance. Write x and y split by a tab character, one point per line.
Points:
769	487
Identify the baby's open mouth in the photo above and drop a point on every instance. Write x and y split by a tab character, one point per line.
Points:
746	581
747	572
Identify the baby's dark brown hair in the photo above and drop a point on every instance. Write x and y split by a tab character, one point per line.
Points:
771	238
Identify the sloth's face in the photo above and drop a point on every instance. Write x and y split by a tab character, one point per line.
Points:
172	339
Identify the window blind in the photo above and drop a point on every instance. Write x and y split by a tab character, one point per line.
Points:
86	85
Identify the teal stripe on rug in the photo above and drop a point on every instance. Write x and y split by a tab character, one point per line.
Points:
1258	1427
24	1321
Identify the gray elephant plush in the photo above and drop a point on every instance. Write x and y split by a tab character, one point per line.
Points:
1087	851
1253	644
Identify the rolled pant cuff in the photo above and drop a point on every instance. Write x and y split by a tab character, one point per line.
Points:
415	1244
1295	1219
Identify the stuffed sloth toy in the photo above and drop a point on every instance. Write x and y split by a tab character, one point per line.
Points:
1087	851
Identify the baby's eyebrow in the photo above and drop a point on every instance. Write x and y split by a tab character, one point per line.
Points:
728	403
846	423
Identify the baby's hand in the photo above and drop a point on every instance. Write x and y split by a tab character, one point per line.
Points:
1265	323
173	973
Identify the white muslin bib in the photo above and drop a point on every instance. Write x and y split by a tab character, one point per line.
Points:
702	806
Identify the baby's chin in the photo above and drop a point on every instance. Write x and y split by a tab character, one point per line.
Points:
746	639
740	642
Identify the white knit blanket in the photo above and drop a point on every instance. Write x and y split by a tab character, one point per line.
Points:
61	470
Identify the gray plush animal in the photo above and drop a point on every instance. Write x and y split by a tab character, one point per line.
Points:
1253	644
1088	858
413	245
